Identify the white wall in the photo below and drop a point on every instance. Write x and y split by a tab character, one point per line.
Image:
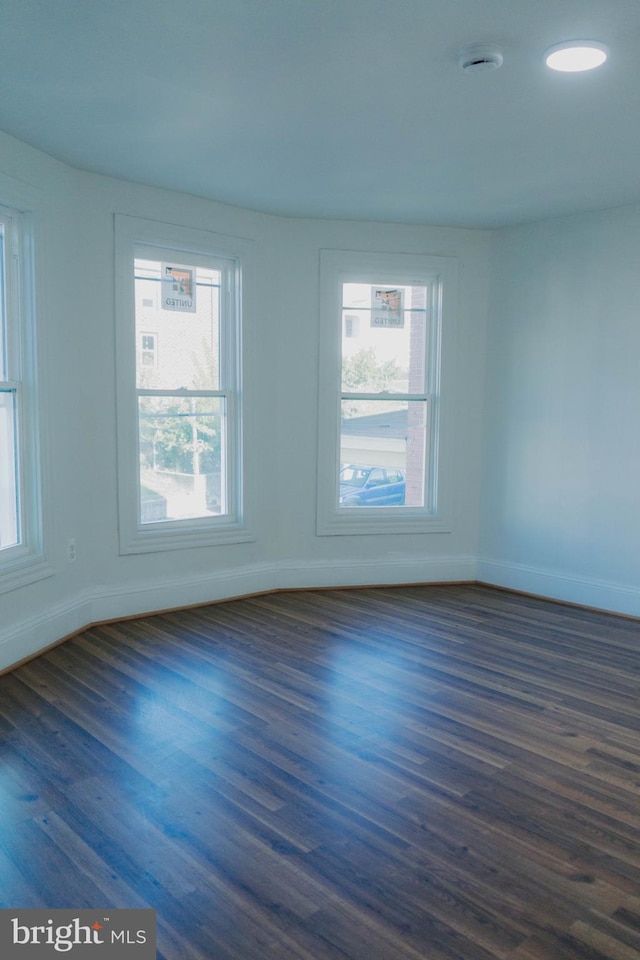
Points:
561	492
74	219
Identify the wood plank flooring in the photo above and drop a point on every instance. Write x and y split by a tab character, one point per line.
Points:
418	773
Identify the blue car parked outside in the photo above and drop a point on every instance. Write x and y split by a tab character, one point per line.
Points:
371	486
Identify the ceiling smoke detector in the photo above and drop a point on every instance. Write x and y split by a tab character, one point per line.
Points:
479	57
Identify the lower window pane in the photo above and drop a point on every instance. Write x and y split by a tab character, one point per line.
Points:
382	453
9	505
182	460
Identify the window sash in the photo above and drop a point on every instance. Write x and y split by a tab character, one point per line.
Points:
174	245
22	559
185	427
341	271
408	452
208	488
410	455
11	331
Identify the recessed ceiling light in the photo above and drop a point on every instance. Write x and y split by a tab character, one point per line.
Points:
574	56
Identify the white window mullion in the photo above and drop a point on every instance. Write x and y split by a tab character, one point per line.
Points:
182	392
401	397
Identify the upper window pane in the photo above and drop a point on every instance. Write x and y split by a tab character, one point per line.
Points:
177	326
384	338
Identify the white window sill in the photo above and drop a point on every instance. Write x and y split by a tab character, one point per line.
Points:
158	538
371	520
20	571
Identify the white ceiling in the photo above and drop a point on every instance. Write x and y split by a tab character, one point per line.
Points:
333	108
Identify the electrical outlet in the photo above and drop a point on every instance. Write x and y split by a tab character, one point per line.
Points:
71	549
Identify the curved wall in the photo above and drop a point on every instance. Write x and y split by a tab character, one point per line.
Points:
73	214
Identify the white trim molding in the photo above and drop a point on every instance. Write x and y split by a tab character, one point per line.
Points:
36	633
234	257
24	561
439	276
555	585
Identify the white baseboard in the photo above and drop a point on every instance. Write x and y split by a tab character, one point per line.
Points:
111	603
394	569
601	594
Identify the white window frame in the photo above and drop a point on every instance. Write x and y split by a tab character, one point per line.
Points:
439	274
24	562
155	240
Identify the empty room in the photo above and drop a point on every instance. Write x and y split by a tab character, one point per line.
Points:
320	479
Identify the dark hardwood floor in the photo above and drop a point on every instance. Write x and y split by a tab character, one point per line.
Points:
419	773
